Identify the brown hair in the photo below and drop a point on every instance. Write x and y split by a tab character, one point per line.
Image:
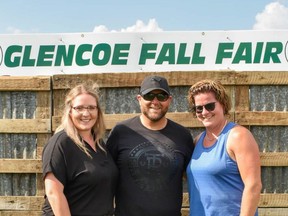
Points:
66	124
205	86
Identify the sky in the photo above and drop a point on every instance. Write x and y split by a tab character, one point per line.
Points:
74	16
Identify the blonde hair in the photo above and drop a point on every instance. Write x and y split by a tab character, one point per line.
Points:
206	86
98	130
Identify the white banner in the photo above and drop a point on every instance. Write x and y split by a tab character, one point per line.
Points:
48	54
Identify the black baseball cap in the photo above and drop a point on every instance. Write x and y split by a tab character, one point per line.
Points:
153	82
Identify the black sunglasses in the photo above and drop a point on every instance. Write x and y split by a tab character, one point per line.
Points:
209	107
160	96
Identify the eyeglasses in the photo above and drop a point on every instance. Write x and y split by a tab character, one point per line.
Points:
81	109
160	96
209	107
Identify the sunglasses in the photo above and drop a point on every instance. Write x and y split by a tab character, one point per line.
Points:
160	96
209	107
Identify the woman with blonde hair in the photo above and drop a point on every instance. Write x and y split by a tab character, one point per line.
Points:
80	176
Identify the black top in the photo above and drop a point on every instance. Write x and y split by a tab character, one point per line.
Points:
89	183
151	165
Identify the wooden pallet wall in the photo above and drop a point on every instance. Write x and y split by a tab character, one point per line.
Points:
51	91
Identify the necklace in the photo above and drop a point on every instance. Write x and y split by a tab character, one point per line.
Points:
215	136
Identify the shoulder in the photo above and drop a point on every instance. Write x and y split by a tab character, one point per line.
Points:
176	126
58	140
238	132
127	123
240	138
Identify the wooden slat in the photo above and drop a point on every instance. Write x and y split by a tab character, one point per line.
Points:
39	185
34	165
274	159
261	78
20	213
241	99
175	78
261	211
20	166
266	200
43	101
184	118
23	203
29	83
25	126
105	80
34	203
265	118
274	200
273	211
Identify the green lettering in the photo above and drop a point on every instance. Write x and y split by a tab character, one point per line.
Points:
167	53
80	52
182	59
26	57
222	53
96	56
258	52
197	59
243	53
118	54
65	56
273	49
145	54
44	54
11	50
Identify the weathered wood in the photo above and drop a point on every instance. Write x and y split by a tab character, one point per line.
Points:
14	83
25	126
273	200
241	99
34	165
20	166
266	200
184	118
23	203
263	118
43	102
39	184
273	211
261	211
261	78
105	80
274	158
20	213
238	85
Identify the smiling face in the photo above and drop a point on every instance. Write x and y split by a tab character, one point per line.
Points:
208	117
87	118
154	110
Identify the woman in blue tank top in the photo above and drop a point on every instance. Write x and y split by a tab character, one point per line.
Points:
224	174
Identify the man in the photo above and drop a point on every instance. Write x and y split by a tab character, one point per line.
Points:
152	153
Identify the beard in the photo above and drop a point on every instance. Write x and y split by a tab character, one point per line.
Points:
155	116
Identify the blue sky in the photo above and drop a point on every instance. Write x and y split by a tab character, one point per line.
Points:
70	16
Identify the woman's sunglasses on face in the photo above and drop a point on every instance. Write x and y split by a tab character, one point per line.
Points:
209	107
160	96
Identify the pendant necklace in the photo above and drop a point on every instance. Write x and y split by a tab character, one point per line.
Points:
214	136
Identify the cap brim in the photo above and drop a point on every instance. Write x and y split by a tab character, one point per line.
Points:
152	89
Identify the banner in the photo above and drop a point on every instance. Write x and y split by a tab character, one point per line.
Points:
48	54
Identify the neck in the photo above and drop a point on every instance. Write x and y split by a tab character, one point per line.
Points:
210	135
153	125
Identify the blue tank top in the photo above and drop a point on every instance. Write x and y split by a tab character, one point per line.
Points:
214	183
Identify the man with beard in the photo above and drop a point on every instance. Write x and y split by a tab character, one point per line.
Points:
152	153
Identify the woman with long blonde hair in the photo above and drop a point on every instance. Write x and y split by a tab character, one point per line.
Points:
79	174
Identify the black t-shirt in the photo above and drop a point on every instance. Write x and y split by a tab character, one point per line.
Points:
89	183
151	165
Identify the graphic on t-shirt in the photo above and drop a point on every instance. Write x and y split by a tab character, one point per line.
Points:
152	165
